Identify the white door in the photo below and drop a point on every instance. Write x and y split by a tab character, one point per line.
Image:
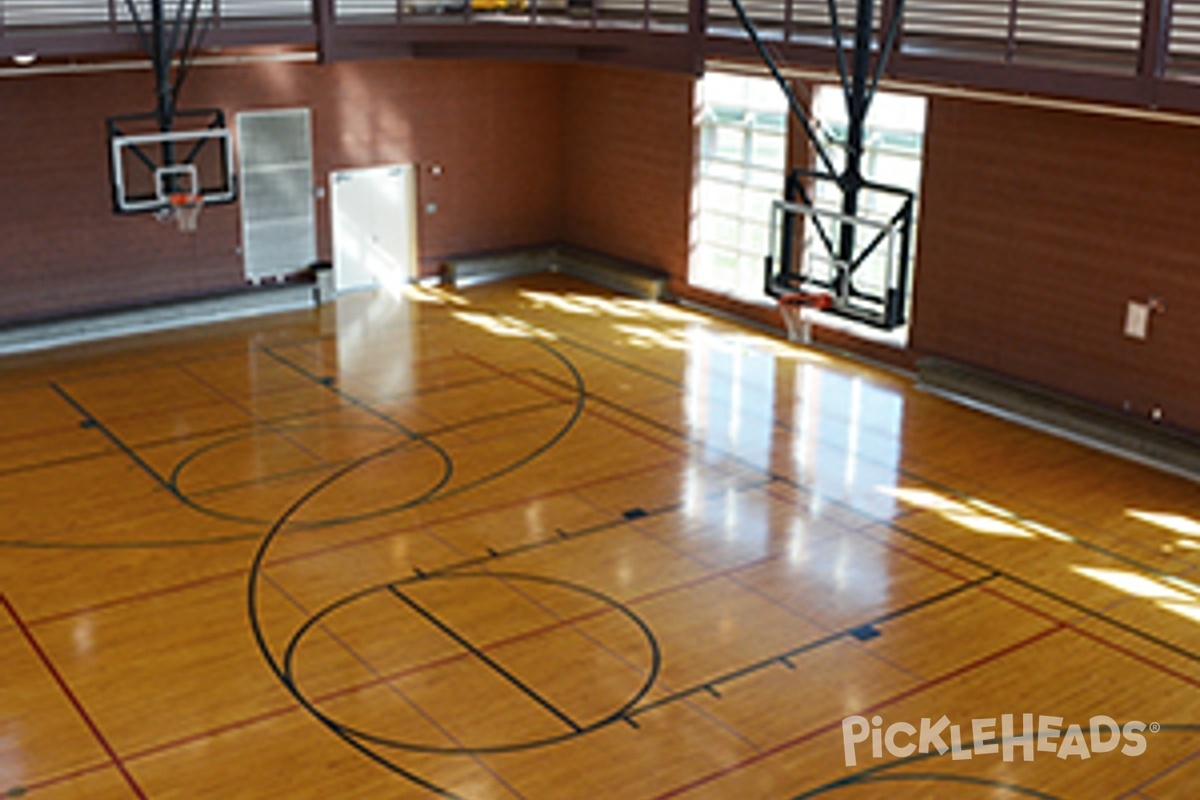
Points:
374	214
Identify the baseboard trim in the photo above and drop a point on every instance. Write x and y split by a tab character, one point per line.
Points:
40	336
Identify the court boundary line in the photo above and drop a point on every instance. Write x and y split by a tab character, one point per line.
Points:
591	347
72	698
813	733
410	528
896	524
867	515
484	658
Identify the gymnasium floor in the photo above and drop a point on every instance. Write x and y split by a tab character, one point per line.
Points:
535	541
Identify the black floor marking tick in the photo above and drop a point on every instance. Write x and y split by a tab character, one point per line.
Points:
865	633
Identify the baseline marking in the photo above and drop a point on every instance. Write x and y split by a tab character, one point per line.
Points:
71	697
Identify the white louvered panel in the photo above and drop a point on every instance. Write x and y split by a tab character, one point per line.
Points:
354	9
670	10
93	13
768	13
58	13
280	10
170	10
1085	24
623	7
811	16
814	14
957	19
1185	29
278	222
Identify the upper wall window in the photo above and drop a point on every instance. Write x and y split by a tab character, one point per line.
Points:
743	158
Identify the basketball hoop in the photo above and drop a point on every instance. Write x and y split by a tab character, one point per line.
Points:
185	207
798	310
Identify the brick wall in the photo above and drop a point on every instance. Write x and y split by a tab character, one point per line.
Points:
1037	227
627	171
493	127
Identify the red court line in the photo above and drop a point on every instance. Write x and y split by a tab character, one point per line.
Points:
1038	612
1125	651
55	780
533	633
1046	615
889	545
70	695
414	527
439	662
558	624
220	399
200	736
587	408
134	598
462	515
835	724
435	663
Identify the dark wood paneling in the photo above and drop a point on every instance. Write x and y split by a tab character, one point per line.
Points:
492	127
1038	226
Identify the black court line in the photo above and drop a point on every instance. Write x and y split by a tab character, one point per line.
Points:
331	387
191	499
237	350
395	691
897	526
95	423
252	430
520	411
490	662
434	387
258	421
150	444
71	697
563	536
784	658
365	406
435	492
224	430
65	461
900	470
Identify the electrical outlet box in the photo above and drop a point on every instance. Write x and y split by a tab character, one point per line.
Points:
1137	320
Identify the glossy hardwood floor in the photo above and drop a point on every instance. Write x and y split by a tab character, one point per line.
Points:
535	541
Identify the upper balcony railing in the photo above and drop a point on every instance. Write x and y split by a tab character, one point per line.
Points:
1143	52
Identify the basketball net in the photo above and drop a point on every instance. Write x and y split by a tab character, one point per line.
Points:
185	208
798	310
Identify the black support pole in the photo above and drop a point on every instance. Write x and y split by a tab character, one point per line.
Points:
164	109
161	57
852	177
793	104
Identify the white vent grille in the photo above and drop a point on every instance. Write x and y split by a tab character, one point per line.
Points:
61	14
815	14
275	10
985	20
103	13
278	226
349	9
1113	25
808	16
1185	29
